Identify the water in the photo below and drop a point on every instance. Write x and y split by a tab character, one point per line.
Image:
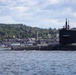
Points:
37	62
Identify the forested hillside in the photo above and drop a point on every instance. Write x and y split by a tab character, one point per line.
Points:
23	31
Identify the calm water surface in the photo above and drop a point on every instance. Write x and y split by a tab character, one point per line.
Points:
37	62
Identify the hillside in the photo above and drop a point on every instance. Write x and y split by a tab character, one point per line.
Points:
23	31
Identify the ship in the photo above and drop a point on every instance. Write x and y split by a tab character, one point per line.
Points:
67	41
67	37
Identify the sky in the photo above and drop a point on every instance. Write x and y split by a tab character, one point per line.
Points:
38	13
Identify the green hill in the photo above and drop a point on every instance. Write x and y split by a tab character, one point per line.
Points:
23	31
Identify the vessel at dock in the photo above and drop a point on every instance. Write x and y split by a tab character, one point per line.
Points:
67	40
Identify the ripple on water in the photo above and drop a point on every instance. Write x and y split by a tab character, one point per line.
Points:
37	63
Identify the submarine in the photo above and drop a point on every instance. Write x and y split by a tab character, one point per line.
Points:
67	41
67	38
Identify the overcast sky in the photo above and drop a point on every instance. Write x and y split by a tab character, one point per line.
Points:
38	13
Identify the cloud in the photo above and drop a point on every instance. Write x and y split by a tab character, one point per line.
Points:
55	1
27	2
39	13
19	9
6	19
7	3
74	14
61	1
3	0
72	1
53	23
